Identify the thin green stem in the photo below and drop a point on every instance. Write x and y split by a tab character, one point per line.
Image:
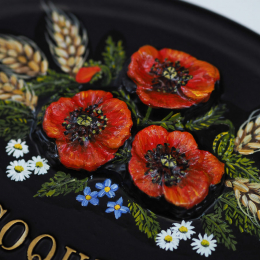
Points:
168	116
228	123
148	113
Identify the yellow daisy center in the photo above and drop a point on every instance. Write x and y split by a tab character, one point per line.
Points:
205	243
18	168
183	229
117	207
107	189
39	164
18	146
168	238
88	197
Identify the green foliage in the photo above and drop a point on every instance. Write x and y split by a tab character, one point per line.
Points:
114	56
52	82
123	155
227	204
206	120
145	220
61	183
15	119
213	224
240	166
223	144
126	98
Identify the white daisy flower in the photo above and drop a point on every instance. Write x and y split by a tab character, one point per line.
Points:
38	165
18	170
17	148
184	229
204	245
167	240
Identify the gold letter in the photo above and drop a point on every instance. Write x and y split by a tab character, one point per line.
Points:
2	212
33	244
20	240
68	253
82	255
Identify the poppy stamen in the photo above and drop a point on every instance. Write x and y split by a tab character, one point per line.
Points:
82	125
169	76
165	163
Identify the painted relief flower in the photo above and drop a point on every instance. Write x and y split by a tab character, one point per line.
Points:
167	240
170	164
106	188
38	165
18	170
88	197
204	245
117	208
170	78
85	74
17	148
88	128
184	229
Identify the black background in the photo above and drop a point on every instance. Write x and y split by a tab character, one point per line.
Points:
173	24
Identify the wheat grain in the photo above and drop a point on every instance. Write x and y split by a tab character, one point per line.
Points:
15	89
248	135
67	39
21	56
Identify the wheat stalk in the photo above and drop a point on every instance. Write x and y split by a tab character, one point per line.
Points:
249	195
67	39
21	56
15	89
248	135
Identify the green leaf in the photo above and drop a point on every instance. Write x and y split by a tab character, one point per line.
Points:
114	56
207	119
15	120
220	229
223	144
145	220
61	183
52	82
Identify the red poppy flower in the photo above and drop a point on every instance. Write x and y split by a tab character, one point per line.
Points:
88	128
170	78
85	74
170	164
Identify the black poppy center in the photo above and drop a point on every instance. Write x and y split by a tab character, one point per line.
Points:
83	124
166	163
169	76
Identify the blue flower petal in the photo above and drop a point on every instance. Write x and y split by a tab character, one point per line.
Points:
114	187
99	186
94	194
101	193
80	198
86	191
107	183
120	201
118	214
124	209
94	201
111	204
110	194
84	203
109	210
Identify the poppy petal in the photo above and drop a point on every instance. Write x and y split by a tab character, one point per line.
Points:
55	114
85	74
165	100
91	97
119	123
192	189
147	139
137	169
88	157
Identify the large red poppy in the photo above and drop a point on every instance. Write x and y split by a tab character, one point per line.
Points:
170	78
88	128
170	164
